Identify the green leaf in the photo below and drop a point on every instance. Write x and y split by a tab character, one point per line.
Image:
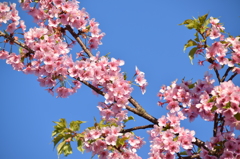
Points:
57	139
67	149
186	22
60	127
62	123
206	23
107	55
129	118
197	37
124	75
189	43
183	153
204	26
193	24
121	141
80	145
228	105
60	147
191	86
175	139
191	54
75	125
237	116
212	99
202	18
213	108
88	27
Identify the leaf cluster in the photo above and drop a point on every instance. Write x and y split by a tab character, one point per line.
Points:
64	134
201	26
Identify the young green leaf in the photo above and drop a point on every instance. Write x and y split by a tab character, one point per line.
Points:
191	54
183	153
67	149
197	37
75	125
237	116
57	139
189	43
186	22
80	145
129	118
60	147
202	18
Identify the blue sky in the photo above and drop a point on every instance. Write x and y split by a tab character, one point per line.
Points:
142	33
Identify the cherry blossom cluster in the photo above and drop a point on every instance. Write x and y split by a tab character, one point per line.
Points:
185	97
167	137
216	28
9	14
55	13
225	145
112	113
223	99
140	79
109	143
217	53
47	54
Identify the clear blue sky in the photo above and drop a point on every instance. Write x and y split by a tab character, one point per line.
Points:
143	34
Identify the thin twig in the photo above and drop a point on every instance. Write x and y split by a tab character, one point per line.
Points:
217	74
231	78
137	128
11	39
215	125
191	157
226	74
76	36
136	111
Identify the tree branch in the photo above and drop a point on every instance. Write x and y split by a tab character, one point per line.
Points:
137	128
201	144
232	76
226	74
217	74
215	125
76	36
138	111
11	39
197	156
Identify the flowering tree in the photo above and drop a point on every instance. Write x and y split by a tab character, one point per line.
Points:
45	52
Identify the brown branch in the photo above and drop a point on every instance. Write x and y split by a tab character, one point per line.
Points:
223	122
192	157
179	156
215	126
11	39
200	144
138	111
142	111
226	74
217	74
232	76
137	128
76	36
138	108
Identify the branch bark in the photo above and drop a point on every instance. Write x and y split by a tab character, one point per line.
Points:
76	36
137	128
10	38
138	110
226	74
